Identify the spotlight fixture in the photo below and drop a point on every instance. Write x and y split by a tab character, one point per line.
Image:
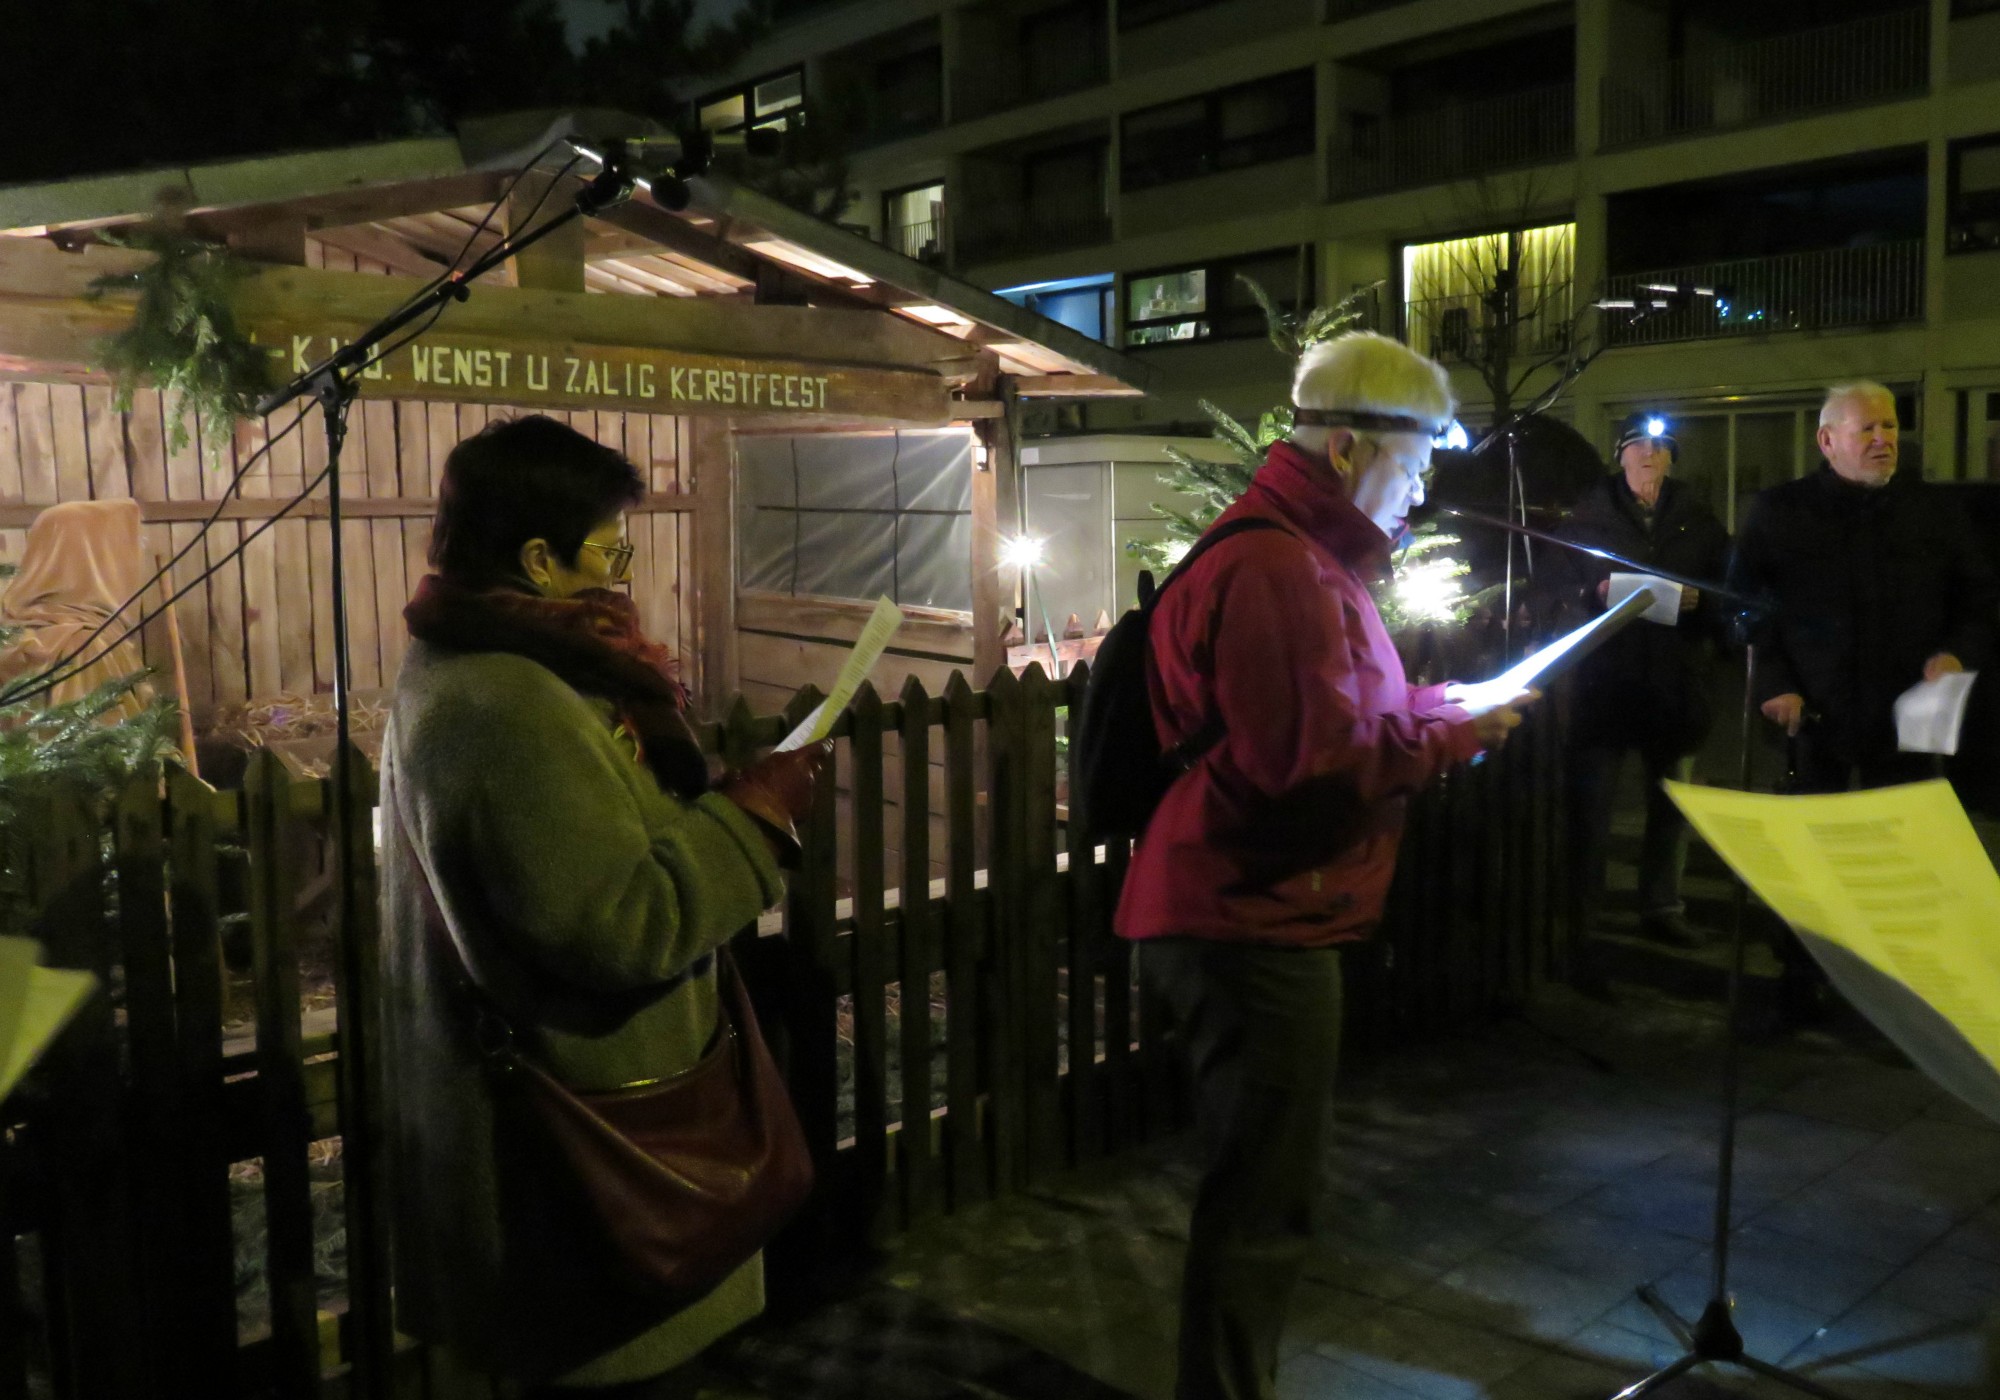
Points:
1021	552
1656	427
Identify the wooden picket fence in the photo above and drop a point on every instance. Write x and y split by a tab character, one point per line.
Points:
947	1041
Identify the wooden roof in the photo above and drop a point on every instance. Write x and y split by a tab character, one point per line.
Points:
410	207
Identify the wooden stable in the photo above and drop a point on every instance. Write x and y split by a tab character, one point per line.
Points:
662	333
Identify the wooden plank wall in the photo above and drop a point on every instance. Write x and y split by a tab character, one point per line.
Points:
262	625
784	644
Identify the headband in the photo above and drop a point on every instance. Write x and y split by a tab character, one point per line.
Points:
1365	421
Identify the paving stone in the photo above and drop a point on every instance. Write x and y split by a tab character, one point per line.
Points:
1947	1284
1893	1231
1881	1339
1427	1355
1379	1271
1556	1375
1624	1255
1675	1202
1818	1277
1508	1293
1320	1312
1877	1097
1770	1327
1309	1376
1977	1235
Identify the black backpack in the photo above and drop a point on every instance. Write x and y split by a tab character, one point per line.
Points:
1117	771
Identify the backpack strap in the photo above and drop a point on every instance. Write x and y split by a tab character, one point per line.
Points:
1188	752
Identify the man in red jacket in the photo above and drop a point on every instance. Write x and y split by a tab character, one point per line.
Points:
1278	844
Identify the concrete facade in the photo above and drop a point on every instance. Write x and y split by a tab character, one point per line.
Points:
1433	119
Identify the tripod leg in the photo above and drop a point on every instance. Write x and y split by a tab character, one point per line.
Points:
1658	1378
1790	1378
1674	1322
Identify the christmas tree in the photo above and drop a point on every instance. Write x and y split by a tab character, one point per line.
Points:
1424	588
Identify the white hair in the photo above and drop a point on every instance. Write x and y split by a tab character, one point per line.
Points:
1368	373
1845	393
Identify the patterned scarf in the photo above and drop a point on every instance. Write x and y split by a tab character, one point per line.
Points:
593	642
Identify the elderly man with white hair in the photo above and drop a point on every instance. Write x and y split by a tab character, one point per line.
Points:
1275	682
1874	582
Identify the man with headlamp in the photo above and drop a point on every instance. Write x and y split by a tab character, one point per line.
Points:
1272	674
1647	688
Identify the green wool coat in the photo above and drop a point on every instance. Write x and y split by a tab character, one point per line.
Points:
574	887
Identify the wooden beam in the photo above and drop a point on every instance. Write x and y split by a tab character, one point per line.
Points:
553	263
657	226
1072	386
15	515
374	241
937	631
714	573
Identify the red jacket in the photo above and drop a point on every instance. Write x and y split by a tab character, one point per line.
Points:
1286	830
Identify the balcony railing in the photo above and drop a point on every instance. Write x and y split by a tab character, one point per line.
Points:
923	240
1350	9
1826	290
1457	140
1483	328
1006	233
1874	59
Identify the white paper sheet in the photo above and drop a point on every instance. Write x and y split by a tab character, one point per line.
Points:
35	1004
1930	713
1567	650
1665	593
868	649
1896	880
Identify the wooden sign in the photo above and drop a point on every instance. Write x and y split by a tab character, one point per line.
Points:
561	374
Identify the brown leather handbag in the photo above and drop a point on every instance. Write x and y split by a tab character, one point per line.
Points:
689	1176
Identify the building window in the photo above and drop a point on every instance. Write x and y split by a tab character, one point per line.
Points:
1966	9
1065	189
1210	301
1469	298
909	94
1974	222
1134	13
773	102
913	221
1063	49
1270	119
1084	304
858	515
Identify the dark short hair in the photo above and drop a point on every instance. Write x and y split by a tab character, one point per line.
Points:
522	479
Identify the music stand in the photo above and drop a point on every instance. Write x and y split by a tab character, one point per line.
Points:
1712	1337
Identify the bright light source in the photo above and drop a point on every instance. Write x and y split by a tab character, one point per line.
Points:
1656	427
934	315
1616	304
1021	552
1658	287
1430	591
1454	438
793	255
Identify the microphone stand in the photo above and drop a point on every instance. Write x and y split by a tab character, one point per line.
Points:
1713	1337
335	383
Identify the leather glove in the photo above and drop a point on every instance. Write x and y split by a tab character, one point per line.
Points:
777	792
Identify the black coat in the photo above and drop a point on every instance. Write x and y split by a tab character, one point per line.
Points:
1647	686
1868	584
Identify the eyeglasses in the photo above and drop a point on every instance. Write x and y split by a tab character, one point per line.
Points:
620	556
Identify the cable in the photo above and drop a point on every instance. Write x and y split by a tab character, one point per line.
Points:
55	673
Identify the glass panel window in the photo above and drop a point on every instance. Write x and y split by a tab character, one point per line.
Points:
1196	303
1270	119
768	103
1974	195
781	93
858	515
722	114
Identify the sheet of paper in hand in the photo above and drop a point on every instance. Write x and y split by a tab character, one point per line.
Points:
868	649
1565	651
35	1004
1666	595
1930	713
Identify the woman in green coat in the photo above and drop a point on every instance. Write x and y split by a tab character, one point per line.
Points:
541	783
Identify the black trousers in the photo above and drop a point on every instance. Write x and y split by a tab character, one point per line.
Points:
1261	1027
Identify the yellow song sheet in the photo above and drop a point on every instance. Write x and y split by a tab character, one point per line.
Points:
35	1004
868	648
1897	881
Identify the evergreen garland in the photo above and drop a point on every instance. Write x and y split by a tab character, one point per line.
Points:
183	335
1423	588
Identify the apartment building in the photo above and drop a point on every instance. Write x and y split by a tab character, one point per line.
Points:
1732	202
